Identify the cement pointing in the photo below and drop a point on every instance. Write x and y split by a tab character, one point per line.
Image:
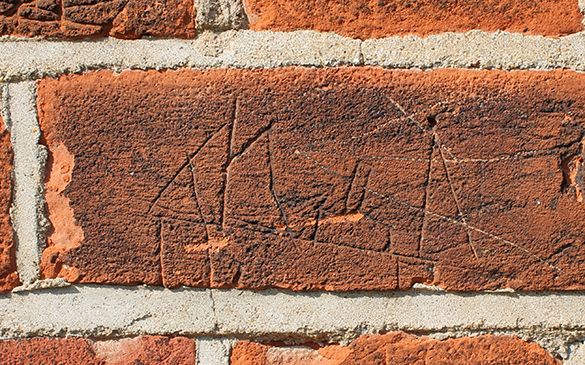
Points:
554	320
29	157
32	59
214	351
106	311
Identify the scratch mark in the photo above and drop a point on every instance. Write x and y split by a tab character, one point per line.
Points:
426	204
447	219
232	142
196	193
251	142
427	260
227	165
185	164
453	159
399	107
317	219
159	195
458	161
272	187
455	197
277	232
351	181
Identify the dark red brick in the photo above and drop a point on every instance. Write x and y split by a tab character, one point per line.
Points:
399	348
376	19
145	350
95	18
317	179
8	275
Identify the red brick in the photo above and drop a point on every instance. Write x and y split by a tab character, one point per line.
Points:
399	348
145	350
88	18
8	275
376	19
317	179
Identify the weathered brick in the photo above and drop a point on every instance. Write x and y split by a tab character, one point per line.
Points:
8	275
312	179
382	18
146	350
94	18
399	348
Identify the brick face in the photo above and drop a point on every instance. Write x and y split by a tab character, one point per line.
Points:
316	179
8	276
376	19
354	18
145	350
83	18
399	348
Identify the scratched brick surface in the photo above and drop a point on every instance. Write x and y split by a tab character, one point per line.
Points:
383	18
93	18
8	276
144	350
316	179
398	348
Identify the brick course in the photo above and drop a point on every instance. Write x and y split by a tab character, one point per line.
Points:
355	18
316	179
376	19
145	350
399	348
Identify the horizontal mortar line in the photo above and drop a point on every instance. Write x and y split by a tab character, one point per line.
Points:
100	311
27	59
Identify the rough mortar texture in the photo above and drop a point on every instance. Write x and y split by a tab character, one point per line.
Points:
214	351
33	59
29	158
553	321
371	19
145	350
399	348
453	177
106	312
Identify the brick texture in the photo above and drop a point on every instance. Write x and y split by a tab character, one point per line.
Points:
399	348
93	18
376	19
8	276
144	350
317	179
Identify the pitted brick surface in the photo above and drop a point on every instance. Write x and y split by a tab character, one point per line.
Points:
377	19
399	348
8	276
145	350
317	179
94	18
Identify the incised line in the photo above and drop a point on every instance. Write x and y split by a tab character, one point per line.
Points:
447	219
427	193
272	185
459	210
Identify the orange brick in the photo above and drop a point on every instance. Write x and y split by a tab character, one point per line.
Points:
317	179
383	18
399	348
145	350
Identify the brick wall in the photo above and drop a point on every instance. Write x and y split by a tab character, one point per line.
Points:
290	182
